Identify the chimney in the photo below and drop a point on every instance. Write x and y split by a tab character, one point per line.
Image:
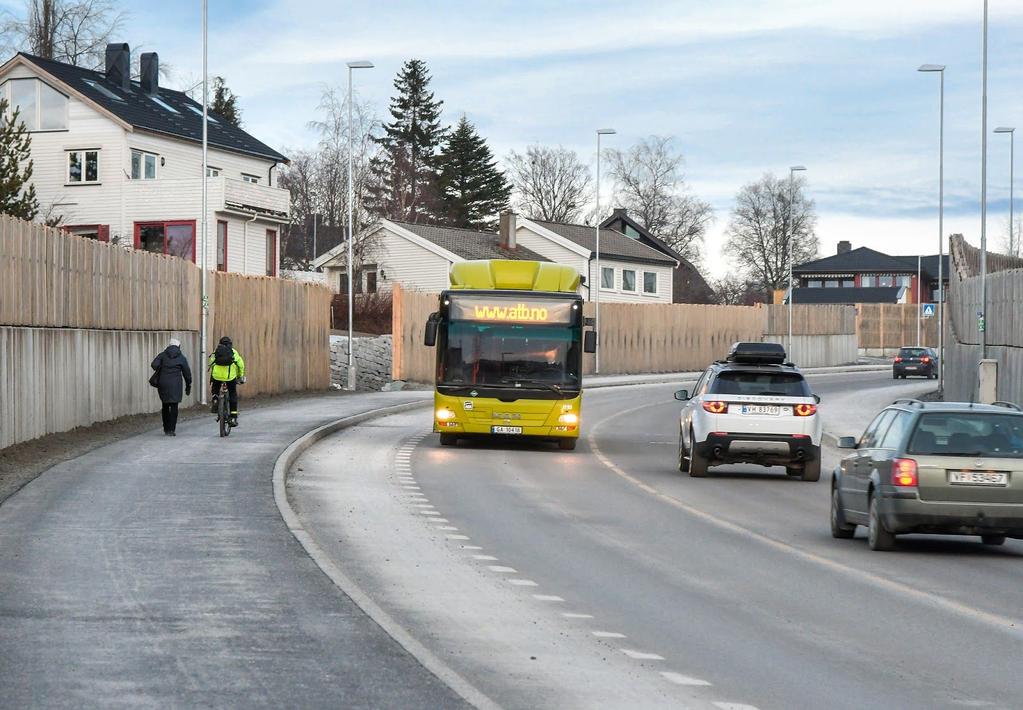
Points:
508	228
844	247
619	212
149	66
119	65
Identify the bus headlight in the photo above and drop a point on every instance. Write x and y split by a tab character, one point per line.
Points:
444	414
569	418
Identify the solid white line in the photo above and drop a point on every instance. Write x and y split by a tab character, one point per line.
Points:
573	615
641	655
523	583
608	634
548	598
499	568
679	679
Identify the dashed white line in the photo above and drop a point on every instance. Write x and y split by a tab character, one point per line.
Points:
428	512
487	558
679	679
642	655
734	706
523	583
457	537
423	505
449	528
548	598
574	615
499	568
474	547
608	634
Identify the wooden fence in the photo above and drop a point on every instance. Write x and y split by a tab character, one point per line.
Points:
80	321
884	326
810	319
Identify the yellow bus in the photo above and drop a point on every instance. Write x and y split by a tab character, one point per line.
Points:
510	337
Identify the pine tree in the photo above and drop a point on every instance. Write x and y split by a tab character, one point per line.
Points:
225	102
404	176
472	189
17	193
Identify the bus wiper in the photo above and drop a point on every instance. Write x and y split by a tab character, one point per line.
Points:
548	385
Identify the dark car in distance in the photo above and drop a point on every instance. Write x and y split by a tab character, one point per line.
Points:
916	362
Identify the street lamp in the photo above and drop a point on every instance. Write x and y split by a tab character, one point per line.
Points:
983	198
1012	140
940	69
350	383
203	297
792	238
596	229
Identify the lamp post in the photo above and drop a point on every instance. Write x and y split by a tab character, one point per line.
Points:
204	310
983	197
1012	160
919	301
596	230
792	238
940	69
350	381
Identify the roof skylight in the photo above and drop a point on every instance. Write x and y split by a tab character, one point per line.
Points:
160	102
199	112
102	89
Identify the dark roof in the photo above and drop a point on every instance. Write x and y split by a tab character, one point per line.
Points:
469	244
930	265
857	260
612	243
139	110
623	216
877	294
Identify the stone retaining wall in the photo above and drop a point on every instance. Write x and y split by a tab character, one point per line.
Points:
372	357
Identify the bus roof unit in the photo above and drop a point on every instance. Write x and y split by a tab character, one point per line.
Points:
505	274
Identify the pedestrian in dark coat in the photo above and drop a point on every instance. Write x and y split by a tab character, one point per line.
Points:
172	367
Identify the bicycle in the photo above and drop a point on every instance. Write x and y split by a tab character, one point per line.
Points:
223	411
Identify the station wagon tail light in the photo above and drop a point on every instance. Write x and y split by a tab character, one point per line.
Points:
904	472
898	359
716	407
804	410
444	414
925	359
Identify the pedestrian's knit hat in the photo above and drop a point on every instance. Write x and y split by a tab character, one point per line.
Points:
174	341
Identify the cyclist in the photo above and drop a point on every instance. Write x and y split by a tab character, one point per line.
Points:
226	365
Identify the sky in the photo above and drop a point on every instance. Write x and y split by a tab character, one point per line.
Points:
746	87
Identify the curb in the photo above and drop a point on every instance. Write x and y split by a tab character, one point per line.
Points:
426	658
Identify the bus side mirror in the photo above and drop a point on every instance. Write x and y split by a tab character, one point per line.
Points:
590	341
430	338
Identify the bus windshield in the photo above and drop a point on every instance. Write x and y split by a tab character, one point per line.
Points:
510	355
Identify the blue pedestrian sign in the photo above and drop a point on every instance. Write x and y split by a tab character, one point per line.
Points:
928	310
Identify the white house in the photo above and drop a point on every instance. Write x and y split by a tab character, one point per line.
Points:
420	256
121	161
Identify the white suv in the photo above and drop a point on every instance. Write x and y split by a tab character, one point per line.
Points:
751	408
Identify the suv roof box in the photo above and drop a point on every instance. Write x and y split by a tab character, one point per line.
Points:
758	353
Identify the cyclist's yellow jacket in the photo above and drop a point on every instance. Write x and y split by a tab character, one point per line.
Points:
226	373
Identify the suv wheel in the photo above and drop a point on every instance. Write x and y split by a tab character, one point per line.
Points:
878	537
839	528
697	464
683	459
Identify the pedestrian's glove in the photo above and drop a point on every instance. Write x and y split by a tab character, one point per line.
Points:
242	380
188	390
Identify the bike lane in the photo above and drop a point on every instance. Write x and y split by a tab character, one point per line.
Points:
158	572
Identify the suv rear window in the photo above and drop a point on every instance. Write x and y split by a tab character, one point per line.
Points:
913	352
968	434
744	382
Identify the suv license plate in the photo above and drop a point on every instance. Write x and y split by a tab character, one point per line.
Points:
978	478
761	409
505	430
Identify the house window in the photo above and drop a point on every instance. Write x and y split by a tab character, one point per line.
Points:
82	166
832	283
40	107
370	271
867	281
221	245
143	165
607	277
212	171
905	281
254	179
848	283
198	111
816	283
271	252
175	238
649	282
886	281
628	280
342	283
631	232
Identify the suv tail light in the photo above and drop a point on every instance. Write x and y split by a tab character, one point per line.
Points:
898	359
804	410
716	407
904	472
925	359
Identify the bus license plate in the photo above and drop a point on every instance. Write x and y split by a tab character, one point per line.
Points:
505	430
978	478
761	409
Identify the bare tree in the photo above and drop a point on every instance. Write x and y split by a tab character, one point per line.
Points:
764	222
548	183
299	179
734	290
650	183
70	31
1010	243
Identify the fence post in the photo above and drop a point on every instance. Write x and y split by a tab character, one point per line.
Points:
397	333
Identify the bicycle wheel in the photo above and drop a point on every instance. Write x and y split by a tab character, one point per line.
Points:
223	416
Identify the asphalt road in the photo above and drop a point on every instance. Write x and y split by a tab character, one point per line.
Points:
605	577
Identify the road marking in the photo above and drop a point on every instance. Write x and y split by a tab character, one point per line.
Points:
486	558
608	634
641	655
449	528
457	537
1003	623
422	505
472	547
523	583
428	512
439	520
734	706
499	568
411	488
573	615
679	679
548	598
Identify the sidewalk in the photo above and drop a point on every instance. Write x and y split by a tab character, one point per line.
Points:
158	572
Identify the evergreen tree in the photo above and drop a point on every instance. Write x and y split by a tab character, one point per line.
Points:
17	193
225	102
404	176
472	189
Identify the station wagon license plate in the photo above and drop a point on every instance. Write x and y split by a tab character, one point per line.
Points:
505	430
978	478
770	410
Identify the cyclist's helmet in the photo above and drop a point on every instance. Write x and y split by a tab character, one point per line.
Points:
225	341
